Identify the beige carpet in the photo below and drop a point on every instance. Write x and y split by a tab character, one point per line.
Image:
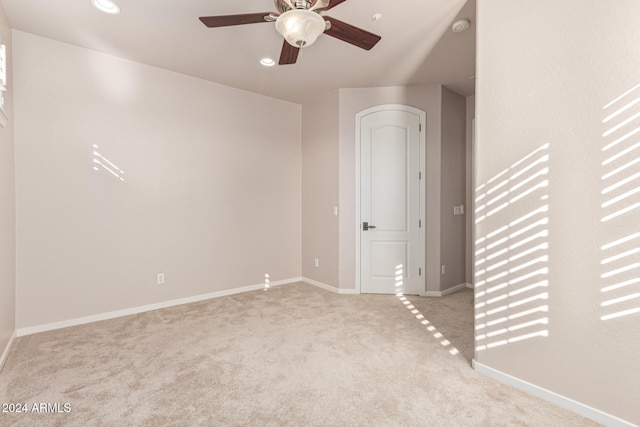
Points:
291	355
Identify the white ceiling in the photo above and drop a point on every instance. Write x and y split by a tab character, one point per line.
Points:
417	46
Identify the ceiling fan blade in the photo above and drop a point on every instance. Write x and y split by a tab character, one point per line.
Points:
350	34
289	54
228	20
332	4
320	4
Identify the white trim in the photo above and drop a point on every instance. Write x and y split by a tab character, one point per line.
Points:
7	349
451	290
144	308
472	208
357	192
423	186
470	285
555	398
329	287
321	285
423	201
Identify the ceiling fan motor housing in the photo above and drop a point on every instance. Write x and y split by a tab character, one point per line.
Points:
283	5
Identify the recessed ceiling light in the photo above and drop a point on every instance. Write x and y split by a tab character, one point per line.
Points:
106	6
267	62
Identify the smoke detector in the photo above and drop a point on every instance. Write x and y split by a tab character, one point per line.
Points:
460	25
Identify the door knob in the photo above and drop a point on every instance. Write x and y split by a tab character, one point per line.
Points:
366	226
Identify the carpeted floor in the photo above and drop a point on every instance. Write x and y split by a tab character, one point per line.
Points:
290	355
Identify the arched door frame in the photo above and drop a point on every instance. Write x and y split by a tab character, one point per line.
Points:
423	192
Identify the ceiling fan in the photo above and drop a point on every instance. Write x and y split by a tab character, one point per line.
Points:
300	23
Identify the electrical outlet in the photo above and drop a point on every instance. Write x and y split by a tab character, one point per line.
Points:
160	279
316	263
443	269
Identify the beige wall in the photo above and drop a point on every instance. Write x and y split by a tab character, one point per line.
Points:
453	174
427	98
469	147
211	193
546	72
7	206
320	189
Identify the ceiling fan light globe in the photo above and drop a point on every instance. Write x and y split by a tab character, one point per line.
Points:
300	27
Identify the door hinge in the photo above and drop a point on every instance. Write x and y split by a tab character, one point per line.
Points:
419	175
419	223
420	127
420	272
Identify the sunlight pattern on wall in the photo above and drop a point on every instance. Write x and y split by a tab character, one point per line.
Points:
512	253
620	274
100	162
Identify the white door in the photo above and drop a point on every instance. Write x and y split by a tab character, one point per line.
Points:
390	223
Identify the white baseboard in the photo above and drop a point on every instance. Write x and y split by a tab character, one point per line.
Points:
555	398
470	285
150	307
451	290
329	287
7	349
320	285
